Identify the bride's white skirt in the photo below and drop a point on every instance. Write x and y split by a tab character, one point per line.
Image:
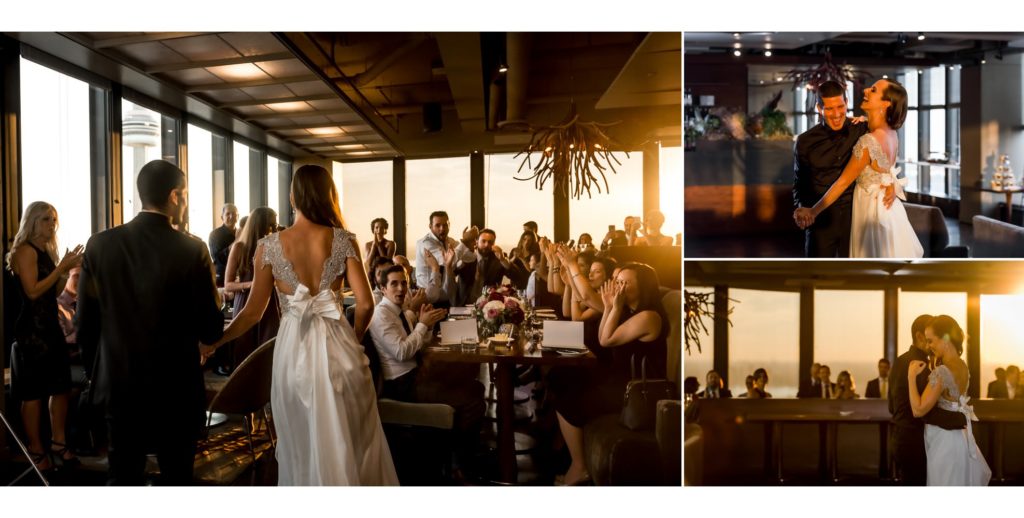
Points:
950	462
325	408
879	232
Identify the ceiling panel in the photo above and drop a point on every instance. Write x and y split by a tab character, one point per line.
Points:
191	76
239	72
284	68
272	122
345	118
308	141
253	43
309	88
290	107
292	132
202	48
226	96
257	109
151	53
329	104
310	120
268	92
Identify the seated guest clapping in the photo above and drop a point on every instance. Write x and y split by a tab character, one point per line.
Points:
399	336
633	326
403	261
715	389
845	388
377	269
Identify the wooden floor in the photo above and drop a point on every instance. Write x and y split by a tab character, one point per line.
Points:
225	459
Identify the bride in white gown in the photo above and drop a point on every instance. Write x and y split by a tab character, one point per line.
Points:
953	457
876	230
322	394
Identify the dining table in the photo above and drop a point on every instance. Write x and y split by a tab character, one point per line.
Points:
505	357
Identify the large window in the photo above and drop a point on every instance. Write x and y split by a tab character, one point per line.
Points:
765	333
435	184
697	364
141	142
273	185
366	191
241	182
511	202
849	333
593	215
931	133
1000	335
201	212
55	149
670	185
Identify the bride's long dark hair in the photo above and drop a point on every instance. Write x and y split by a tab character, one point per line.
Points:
316	197
896	113
944	326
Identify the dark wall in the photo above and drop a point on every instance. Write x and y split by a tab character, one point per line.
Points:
726	81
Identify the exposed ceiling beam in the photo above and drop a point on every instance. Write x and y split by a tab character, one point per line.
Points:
188	65
209	87
389	59
142	38
275	115
461	54
255	102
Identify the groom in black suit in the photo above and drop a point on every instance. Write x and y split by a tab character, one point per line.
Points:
146	299
908	431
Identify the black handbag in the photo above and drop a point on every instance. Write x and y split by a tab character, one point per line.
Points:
640	402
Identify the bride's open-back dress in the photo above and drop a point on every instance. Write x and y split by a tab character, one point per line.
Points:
953	456
322	393
875	230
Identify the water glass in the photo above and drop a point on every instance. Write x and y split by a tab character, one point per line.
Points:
468	345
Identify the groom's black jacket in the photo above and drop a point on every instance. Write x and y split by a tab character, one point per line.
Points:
899	397
819	156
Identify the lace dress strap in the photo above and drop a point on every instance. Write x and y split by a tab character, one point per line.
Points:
867	141
280	266
341	250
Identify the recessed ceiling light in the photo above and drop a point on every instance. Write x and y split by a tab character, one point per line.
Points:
736	53
920	36
330	130
767	53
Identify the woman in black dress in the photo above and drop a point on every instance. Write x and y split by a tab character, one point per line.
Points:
633	325
40	361
238	277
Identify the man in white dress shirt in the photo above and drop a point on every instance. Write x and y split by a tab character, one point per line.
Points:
399	336
435	257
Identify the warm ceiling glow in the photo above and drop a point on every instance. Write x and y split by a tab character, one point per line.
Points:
330	130
359	153
294	106
349	146
240	72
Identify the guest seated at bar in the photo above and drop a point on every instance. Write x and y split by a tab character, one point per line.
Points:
845	388
633	327
993	386
1011	388
761	382
399	336
435	261
238	279
715	388
812	387
879	387
826	387
749	383
651	231
380	246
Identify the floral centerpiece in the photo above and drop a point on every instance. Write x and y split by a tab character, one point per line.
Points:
496	306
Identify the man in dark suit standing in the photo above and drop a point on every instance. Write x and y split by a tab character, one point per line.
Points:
489	268
221	239
993	386
1009	387
879	387
715	389
826	389
907	430
812	387
146	300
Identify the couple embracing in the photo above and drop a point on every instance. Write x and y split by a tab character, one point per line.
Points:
932	433
845	181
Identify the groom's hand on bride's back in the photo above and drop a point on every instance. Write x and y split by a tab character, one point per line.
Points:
890	196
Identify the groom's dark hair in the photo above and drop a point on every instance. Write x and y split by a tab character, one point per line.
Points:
918	326
830	89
